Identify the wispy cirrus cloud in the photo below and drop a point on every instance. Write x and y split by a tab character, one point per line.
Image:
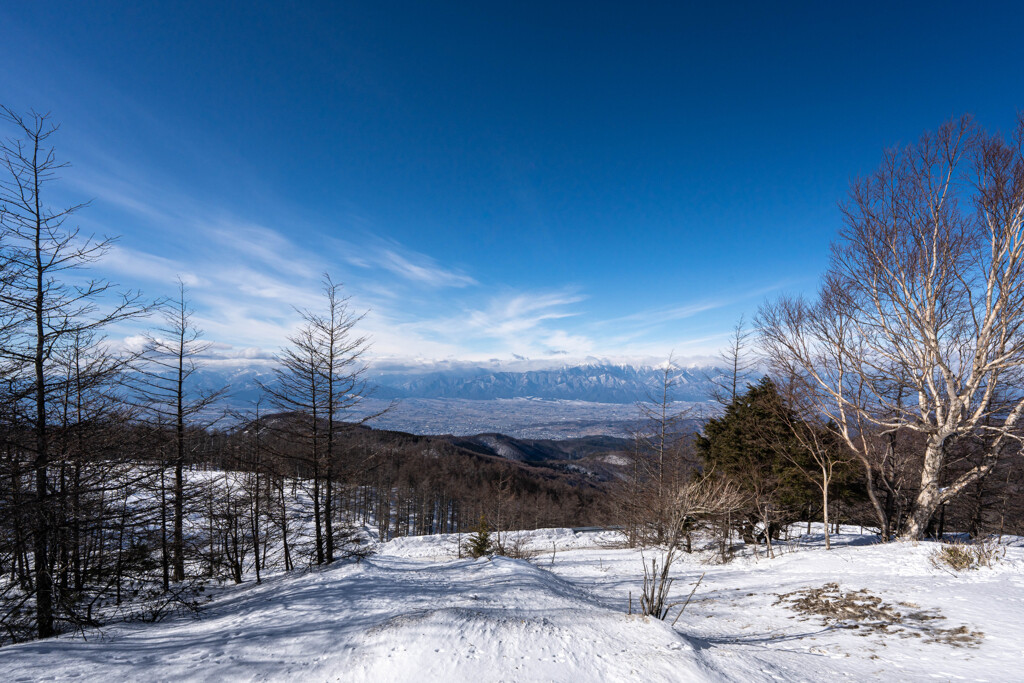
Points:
265	248
657	316
246	278
509	324
374	253
519	313
426	271
140	265
645	319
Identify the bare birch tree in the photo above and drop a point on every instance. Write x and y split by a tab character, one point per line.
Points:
919	323
814	438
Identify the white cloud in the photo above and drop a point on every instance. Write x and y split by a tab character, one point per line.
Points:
266	247
519	313
388	255
575	345
658	316
247	279
426	271
140	265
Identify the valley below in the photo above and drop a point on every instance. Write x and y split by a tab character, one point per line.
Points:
522	418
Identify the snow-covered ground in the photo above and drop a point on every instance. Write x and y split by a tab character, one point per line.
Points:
413	612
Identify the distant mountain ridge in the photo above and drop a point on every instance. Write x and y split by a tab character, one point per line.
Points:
554	403
598	383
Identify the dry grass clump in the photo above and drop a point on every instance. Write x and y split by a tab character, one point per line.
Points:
960	556
861	610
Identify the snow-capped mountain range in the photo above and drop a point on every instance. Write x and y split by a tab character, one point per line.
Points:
461	398
597	383
594	383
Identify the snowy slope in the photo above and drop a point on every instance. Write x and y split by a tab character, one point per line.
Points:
415	612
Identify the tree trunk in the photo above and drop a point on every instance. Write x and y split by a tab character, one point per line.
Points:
328	514
824	502
929	497
179	465
41	549
255	520
164	555
44	583
317	520
329	465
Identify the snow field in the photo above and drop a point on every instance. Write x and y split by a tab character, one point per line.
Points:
414	612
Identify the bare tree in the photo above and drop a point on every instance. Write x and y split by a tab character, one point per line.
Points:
167	366
814	345
42	305
704	497
919	323
661	460
660	433
320	380
737	362
299	392
814	438
342	371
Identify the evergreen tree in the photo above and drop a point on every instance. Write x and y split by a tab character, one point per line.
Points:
479	544
752	445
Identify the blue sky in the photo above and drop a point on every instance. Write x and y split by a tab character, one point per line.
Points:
545	180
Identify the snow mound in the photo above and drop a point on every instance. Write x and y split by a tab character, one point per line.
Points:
524	624
538	540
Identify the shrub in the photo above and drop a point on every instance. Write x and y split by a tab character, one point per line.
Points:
514	545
